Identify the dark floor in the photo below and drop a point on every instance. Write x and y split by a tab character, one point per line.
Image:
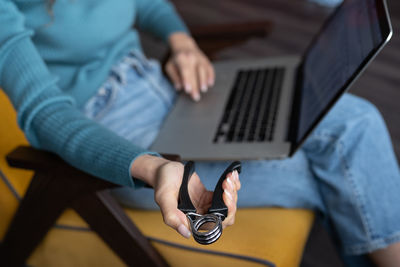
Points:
295	23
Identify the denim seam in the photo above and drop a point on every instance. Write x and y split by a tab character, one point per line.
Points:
347	174
373	244
365	218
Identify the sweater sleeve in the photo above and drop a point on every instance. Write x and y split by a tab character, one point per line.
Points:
50	118
159	18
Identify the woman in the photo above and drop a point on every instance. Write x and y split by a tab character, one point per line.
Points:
75	73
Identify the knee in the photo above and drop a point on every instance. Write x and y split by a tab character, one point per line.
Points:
352	119
364	126
355	114
366	115
363	105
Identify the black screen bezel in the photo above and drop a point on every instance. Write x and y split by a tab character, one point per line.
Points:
386	31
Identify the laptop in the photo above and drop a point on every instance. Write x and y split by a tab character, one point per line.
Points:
266	108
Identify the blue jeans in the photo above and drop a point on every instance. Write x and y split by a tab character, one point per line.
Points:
346	170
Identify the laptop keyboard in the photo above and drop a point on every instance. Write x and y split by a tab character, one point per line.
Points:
250	112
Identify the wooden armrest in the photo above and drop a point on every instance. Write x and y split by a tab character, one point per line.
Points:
172	157
238	31
27	157
213	38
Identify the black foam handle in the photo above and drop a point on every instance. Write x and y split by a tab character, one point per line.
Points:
185	203
218	204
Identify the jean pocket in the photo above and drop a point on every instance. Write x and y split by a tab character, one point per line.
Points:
98	105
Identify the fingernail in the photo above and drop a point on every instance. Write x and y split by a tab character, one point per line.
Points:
233	175
211	82
196	97
230	183
182	229
228	194
236	175
203	88
188	88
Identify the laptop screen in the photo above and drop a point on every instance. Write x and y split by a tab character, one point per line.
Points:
343	48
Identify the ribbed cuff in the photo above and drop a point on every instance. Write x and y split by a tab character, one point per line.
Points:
169	22
173	27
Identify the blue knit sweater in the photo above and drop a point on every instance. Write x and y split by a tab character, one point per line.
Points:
52	62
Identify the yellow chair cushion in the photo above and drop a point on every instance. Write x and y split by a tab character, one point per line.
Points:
272	234
10	137
266	234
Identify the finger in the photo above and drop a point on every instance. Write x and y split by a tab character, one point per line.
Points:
231	204
236	180
232	187
230	198
210	74
171	215
187	69
202	78
173	74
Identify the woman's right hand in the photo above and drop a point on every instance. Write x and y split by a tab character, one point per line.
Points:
188	67
166	178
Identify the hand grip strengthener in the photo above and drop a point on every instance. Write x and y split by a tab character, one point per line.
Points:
216	213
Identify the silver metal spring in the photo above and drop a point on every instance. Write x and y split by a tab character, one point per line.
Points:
209	236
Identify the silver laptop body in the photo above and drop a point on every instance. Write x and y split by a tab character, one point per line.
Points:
260	109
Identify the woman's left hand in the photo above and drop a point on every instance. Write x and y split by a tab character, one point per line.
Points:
188	68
